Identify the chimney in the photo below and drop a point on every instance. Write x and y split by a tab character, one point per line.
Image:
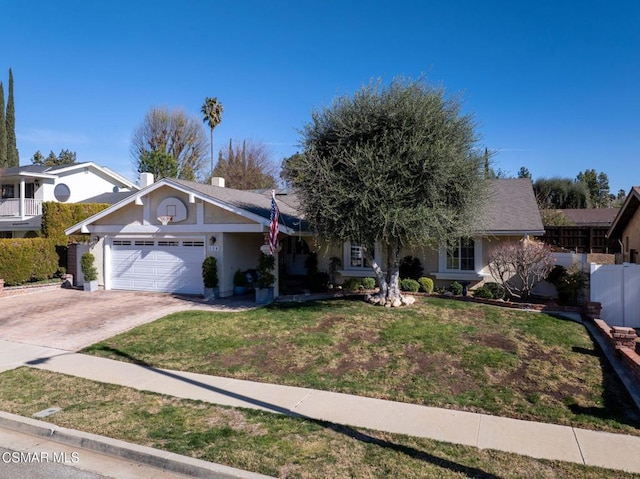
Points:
146	179
217	181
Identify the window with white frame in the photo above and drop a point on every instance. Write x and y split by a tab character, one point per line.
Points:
357	257
461	255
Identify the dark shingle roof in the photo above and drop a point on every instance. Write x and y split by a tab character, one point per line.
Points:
109	198
16	170
256	202
511	208
590	216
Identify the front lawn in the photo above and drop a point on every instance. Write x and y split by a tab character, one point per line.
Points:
438	352
258	441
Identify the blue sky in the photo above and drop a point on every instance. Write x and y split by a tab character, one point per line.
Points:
553	85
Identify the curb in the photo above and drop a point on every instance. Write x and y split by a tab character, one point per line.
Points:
114	447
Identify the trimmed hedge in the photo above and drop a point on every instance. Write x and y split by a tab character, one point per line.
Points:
352	284
27	259
368	283
426	284
409	285
56	217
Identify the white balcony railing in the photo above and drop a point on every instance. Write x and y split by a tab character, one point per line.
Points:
11	207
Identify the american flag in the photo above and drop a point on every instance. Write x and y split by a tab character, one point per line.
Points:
273	227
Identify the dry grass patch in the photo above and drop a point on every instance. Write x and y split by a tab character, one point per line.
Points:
439	352
262	442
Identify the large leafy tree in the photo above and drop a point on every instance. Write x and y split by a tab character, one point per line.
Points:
13	158
173	133
561	193
598	186
247	166
65	157
524	172
212	115
162	165
390	166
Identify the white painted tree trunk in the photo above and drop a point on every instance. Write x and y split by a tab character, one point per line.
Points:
389	294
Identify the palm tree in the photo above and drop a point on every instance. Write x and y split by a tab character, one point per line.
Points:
212	111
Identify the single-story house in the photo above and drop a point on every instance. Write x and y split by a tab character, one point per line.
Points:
625	228
136	251
25	188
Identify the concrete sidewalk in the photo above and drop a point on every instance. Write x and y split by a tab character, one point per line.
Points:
539	440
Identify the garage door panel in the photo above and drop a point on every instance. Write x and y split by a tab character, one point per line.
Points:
142	266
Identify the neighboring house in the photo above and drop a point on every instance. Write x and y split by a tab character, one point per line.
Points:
585	231
135	251
25	188
625	229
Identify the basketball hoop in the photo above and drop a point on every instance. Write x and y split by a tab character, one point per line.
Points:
165	219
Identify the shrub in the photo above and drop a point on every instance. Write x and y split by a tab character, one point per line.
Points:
56	217
496	289
311	263
483	292
319	282
456	288
426	284
352	284
239	278
409	285
23	260
266	265
210	272
87	267
368	283
335	264
520	265
410	268
569	283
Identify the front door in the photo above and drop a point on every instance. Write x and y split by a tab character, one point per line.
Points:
296	252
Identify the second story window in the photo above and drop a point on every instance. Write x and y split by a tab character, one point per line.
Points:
8	192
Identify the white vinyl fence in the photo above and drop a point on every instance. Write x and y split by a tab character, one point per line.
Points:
617	288
572	259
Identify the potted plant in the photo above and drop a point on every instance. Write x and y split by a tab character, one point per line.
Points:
239	283
89	272
210	277
266	278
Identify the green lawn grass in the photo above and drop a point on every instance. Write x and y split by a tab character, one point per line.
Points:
438	352
257	441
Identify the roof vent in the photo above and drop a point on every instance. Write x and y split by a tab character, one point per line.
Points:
217	181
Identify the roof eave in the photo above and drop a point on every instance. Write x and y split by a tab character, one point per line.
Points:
532	232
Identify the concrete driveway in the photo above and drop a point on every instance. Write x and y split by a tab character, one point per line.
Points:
71	319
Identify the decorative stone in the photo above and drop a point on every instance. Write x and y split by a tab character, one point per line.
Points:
408	300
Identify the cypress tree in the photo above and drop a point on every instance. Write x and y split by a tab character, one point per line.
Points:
12	148
3	130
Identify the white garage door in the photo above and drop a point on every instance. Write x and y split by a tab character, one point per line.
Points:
168	265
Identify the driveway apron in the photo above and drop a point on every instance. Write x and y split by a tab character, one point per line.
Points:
72	319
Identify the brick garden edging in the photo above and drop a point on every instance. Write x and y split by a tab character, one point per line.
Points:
623	341
550	306
65	282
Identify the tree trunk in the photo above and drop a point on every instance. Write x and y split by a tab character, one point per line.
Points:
389	294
